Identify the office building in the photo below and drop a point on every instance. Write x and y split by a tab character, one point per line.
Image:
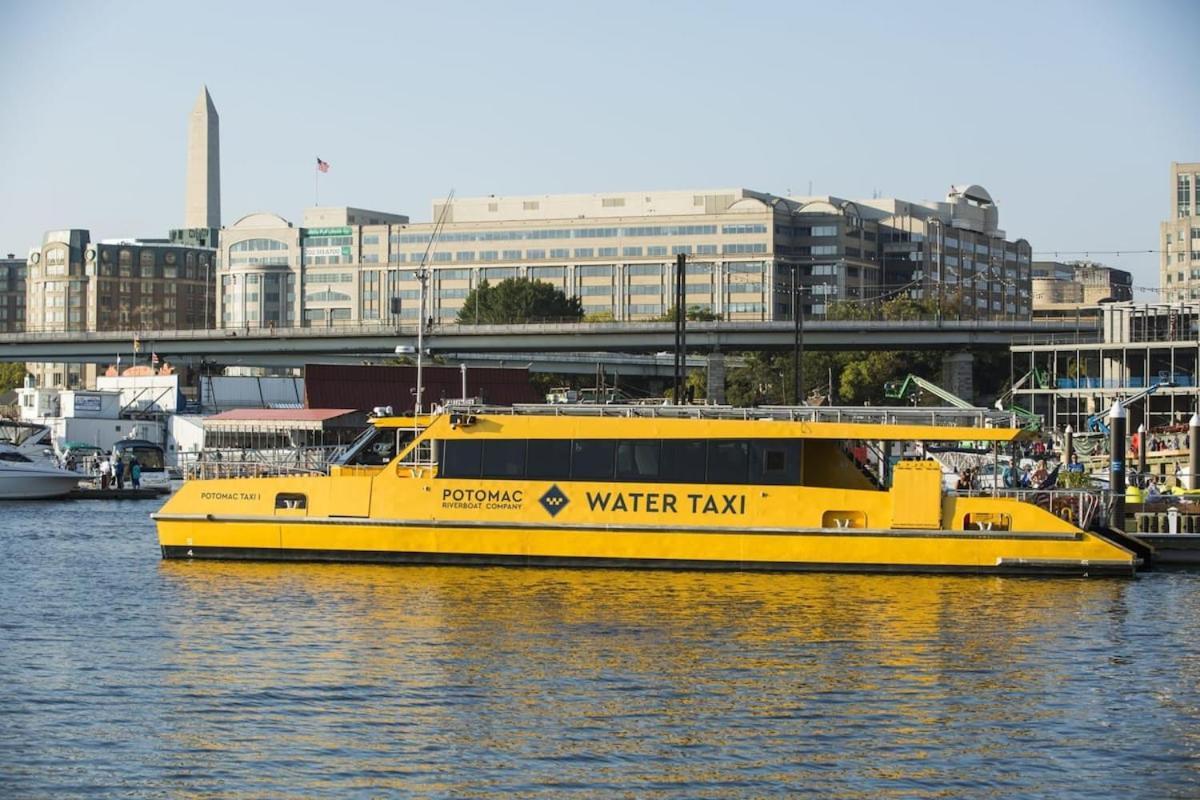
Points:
1059	286
12	294
139	284
1179	235
617	253
75	284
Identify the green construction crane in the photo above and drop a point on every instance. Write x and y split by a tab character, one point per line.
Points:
903	390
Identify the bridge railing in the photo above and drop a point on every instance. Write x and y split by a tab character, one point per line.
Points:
148	338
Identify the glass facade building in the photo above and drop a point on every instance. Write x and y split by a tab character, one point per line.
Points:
617	253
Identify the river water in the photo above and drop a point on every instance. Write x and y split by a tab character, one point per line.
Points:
122	675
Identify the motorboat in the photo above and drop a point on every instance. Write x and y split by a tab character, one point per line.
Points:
23	478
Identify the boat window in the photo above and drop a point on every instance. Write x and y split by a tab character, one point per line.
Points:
461	458
592	459
376	447
15	458
549	458
150	458
774	461
291	500
503	458
727	461
682	461
638	460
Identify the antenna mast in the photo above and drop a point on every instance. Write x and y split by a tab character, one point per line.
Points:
423	279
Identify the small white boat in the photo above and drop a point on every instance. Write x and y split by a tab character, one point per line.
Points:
22	478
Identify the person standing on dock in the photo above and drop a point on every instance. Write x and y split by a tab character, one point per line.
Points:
135	473
119	472
105	473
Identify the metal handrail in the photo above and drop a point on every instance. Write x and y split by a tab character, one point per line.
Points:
899	415
1085	506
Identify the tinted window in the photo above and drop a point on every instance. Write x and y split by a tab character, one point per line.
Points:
775	461
727	461
460	458
682	461
637	460
503	458
592	459
378	447
549	458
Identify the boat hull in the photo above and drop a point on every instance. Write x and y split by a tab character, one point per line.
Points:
414	542
36	485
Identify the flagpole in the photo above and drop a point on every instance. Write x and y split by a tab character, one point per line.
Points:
316	184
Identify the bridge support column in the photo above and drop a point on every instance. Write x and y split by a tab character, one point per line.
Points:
715	391
957	375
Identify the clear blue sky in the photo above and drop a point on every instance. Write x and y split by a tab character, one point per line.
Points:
1068	112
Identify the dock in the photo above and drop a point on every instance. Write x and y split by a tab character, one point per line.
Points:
1172	549
144	493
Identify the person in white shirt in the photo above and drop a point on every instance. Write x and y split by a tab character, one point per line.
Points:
105	473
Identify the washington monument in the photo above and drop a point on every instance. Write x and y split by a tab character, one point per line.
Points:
203	165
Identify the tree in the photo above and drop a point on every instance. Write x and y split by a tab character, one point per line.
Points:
12	376
516	301
694	314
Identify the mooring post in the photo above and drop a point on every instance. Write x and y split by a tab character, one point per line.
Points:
1194	452
1141	431
1116	464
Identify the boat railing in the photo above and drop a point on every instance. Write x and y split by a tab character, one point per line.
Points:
947	416
215	463
1080	507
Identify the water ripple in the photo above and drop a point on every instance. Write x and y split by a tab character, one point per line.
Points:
126	676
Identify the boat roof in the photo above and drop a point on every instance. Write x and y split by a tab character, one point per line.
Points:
640	421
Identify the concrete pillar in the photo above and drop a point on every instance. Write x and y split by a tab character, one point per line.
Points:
957	375
715	391
1068	445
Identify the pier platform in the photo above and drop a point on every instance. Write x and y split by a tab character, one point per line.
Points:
144	493
1173	549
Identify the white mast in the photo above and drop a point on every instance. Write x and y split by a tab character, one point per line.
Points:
423	278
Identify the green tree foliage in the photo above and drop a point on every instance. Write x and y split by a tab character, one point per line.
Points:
518	300
599	316
859	377
12	376
694	314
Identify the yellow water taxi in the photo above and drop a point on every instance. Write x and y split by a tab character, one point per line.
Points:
637	486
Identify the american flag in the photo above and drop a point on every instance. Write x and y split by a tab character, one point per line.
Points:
322	165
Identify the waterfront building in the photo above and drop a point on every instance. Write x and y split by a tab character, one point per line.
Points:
1137	346
1067	288
12	294
76	284
617	253
1179	235
140	284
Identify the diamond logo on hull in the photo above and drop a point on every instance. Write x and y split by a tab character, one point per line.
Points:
554	500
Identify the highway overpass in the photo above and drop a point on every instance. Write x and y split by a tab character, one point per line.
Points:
292	346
